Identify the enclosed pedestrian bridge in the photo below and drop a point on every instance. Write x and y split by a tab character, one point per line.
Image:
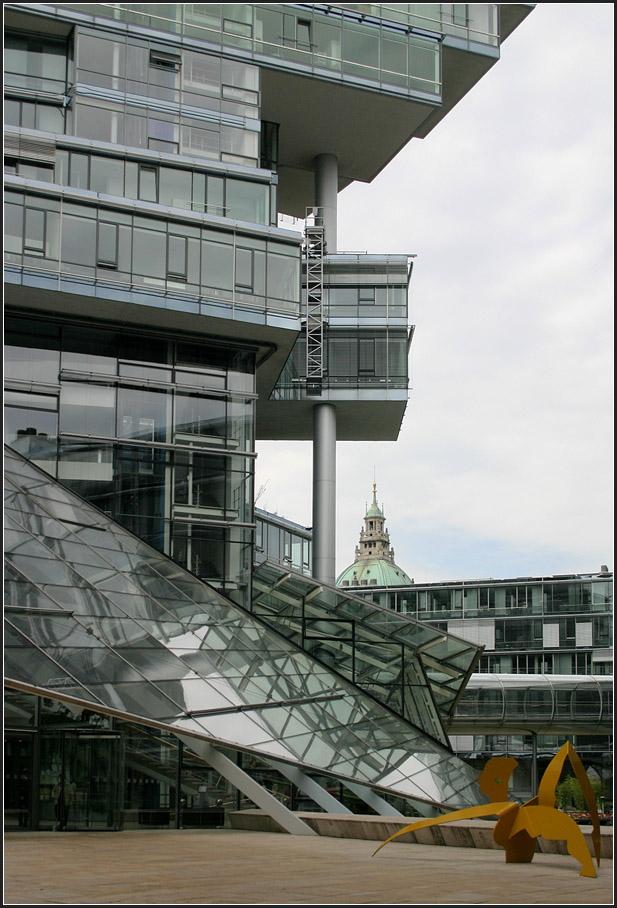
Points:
544	704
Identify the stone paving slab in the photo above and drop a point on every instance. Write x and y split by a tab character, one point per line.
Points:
236	867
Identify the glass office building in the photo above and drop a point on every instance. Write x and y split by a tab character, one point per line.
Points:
160	321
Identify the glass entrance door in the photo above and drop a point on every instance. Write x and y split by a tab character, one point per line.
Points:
84	780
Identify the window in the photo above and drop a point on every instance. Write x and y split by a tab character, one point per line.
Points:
366	296
166	61
175	187
284	277
163	135
176	257
107	175
107	256
29	416
148	183
216	195
31	171
79	172
217	264
35	62
78	240
87	410
248	201
149	254
303	34
34	241
244	269
366	358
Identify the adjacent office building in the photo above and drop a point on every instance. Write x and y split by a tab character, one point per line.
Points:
158	321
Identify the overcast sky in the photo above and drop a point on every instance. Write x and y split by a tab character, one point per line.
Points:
504	463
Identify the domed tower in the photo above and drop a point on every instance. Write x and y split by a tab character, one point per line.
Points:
374	557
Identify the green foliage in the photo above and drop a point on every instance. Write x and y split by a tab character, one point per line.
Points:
569	791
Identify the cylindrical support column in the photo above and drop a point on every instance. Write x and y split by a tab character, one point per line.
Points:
324	493
326	190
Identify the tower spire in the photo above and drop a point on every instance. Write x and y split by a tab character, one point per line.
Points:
374	557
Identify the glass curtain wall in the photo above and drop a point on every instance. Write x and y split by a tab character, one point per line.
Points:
158	434
337	42
156	254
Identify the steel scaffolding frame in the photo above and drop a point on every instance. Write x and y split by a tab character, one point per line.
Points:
314	250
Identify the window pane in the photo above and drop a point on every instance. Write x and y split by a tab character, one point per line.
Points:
26	429
283	277
149	253
216	195
78	240
142	414
13	228
200	416
176	266
35	231
50	119
87	410
79	171
108	244
217	265
30	363
107	176
244	268
147	184
175	187
248	201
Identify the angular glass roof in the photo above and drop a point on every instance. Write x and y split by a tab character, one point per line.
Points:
416	670
95	616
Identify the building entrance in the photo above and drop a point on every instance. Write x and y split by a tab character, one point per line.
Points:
80	773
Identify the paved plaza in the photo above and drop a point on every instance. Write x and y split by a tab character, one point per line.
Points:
236	867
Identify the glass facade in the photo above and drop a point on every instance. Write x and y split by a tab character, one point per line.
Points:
115	628
365	336
157	433
391	657
112	246
280	541
214	192
546	625
329	41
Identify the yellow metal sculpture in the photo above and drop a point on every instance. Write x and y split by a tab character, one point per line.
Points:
518	826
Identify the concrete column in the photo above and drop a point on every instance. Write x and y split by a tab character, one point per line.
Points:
310	787
248	786
326	190
324	493
370	797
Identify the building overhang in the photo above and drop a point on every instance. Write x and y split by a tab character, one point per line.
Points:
364	126
271	336
363	418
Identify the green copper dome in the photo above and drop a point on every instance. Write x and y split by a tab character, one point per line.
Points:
374	563
373	572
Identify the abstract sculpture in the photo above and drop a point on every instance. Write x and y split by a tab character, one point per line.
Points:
518	826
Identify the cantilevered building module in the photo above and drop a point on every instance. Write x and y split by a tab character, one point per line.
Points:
158	320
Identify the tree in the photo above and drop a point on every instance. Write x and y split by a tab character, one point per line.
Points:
570	791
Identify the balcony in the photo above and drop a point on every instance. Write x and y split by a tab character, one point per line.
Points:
71	250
